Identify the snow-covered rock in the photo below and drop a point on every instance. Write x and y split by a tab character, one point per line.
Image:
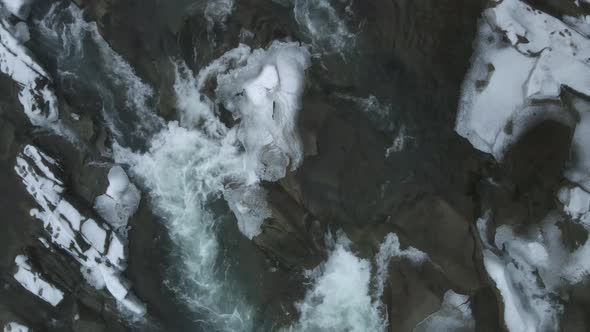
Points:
18	8
15	327
454	315
530	270
104	259
500	94
34	283
120	201
250	207
576	202
265	94
36	95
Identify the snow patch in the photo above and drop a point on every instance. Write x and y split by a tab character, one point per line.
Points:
35	284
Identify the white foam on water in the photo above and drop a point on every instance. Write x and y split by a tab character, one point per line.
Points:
345	294
340	297
199	160
329	33
217	12
81	52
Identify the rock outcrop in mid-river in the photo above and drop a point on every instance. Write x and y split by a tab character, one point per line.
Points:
294	165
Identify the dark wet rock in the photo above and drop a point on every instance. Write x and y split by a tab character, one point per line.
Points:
523	188
486	310
293	237
573	234
411	294
433	226
333	183
147	249
411	54
7	132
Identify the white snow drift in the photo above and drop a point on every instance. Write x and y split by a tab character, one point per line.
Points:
98	250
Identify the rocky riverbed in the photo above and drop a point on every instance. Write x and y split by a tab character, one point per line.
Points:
294	165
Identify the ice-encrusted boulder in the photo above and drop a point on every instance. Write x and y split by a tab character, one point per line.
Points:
523	57
523	61
265	94
120	201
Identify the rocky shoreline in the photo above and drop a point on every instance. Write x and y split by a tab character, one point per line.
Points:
380	156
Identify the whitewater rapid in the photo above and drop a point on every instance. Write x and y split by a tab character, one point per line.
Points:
188	166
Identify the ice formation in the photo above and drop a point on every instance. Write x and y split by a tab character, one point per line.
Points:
15	327
262	89
454	315
531	270
507	79
120	201
18	8
98	250
34	283
200	159
523	59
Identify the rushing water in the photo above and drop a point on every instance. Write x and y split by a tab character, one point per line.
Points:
186	167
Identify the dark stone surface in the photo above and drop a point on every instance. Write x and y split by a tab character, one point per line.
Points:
412	54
